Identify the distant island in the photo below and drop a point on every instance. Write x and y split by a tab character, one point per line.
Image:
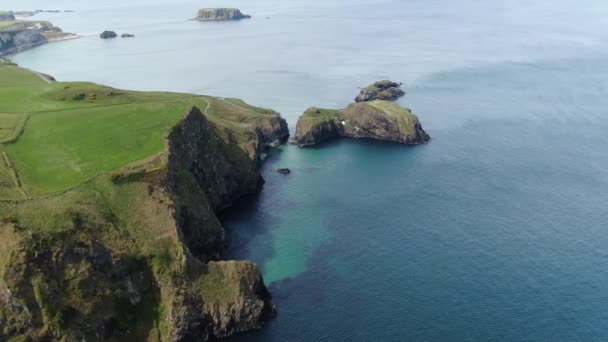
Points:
220	14
19	35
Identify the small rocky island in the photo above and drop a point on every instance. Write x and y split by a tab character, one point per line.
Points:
127	35
220	14
377	119
381	90
108	35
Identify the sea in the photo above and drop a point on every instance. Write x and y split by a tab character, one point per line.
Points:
496	230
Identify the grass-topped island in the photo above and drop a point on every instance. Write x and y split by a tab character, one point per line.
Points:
108	202
377	119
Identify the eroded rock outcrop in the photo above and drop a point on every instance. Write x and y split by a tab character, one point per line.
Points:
380	120
382	90
220	14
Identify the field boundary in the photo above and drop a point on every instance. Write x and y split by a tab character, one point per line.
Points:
18	130
14	175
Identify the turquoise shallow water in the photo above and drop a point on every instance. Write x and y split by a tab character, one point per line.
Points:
495	231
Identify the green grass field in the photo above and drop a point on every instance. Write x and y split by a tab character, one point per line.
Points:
77	130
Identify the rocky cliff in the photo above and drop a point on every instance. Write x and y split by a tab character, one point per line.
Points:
381	120
23	35
134	255
220	14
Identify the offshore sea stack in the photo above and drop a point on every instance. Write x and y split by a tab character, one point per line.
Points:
380	120
220	14
372	116
381	90
108	35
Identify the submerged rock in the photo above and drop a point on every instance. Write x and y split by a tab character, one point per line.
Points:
220	14
108	35
380	120
381	90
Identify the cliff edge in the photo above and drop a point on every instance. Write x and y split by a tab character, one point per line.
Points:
133	254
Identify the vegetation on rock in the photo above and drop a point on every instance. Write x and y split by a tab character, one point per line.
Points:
381	120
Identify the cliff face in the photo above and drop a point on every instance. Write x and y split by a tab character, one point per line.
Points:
220	14
18	40
379	120
130	257
205	174
23	35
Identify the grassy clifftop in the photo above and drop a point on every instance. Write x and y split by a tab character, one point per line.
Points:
107	211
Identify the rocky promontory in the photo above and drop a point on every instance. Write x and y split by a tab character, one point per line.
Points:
135	253
380	120
381	90
220	14
16	36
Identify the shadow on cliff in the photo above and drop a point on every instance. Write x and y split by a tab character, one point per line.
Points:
252	217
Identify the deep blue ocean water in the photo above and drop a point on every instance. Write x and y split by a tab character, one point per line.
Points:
497	230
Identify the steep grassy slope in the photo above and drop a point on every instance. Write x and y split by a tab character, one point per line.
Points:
107	212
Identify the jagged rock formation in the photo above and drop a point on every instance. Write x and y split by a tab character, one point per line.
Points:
381	90
220	14
381	120
108	35
133	255
23	35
